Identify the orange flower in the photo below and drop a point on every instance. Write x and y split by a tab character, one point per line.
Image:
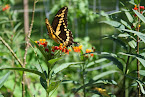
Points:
77	48
135	8
6	7
88	51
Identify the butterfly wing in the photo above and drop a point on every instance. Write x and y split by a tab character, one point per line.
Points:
59	25
51	31
61	15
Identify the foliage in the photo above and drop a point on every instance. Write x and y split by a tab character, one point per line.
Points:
53	70
129	37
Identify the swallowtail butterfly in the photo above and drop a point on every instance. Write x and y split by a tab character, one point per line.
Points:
58	31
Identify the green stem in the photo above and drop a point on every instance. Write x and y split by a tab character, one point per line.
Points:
138	63
83	77
124	80
12	52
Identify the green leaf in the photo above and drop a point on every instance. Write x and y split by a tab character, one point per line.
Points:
139	34
2	80
1	95
118	41
104	74
114	60
141	87
43	81
96	61
17	26
92	82
106	82
27	70
125	35
115	12
132	2
53	86
142	72
63	66
125	24
132	43
42	51
139	57
115	24
139	15
129	16
100	67
53	61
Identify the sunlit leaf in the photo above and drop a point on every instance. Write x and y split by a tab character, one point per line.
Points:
96	61
125	24
115	12
139	15
141	87
104	74
100	67
142	72
3	79
125	35
63	66
115	24
132	43
106	82
129	16
139	34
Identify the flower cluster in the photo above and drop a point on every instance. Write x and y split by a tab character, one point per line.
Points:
136	8
77	48
89	51
63	49
6	7
42	42
141	11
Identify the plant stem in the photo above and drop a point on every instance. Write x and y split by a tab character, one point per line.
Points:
124	80
12	52
138	63
26	49
83	77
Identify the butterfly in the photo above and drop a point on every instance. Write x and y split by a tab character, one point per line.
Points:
58	31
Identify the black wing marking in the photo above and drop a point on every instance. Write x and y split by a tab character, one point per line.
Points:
60	16
59	32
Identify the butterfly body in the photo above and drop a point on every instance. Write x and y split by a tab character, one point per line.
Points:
59	31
